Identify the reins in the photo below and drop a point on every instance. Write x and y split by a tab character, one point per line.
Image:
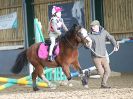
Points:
102	55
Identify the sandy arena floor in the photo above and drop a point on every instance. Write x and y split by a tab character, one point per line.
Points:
122	88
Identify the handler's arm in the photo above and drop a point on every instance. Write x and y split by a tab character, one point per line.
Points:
111	39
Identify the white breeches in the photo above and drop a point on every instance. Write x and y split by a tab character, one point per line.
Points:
52	45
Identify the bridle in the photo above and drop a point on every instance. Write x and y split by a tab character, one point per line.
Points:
82	38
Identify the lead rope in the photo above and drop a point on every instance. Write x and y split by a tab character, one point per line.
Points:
102	55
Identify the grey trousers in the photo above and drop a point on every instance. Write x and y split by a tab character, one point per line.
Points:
103	69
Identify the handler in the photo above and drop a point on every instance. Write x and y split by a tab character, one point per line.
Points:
99	37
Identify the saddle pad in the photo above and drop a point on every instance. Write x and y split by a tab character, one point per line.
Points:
43	51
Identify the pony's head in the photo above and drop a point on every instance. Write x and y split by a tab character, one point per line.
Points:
80	34
76	35
84	37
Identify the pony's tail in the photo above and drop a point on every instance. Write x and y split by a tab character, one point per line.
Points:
21	61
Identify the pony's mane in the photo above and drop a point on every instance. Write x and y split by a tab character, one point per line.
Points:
72	30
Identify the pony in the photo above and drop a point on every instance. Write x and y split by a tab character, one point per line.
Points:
68	55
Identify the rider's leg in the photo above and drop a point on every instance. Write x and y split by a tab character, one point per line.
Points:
51	48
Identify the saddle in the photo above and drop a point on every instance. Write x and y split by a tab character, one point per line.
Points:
43	49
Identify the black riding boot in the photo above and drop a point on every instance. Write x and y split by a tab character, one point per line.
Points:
50	58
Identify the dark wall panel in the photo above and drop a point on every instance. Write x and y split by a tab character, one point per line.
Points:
7	59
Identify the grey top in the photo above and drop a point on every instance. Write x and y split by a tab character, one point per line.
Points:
55	25
99	41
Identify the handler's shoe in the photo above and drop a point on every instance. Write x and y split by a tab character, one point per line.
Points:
50	58
106	87
85	79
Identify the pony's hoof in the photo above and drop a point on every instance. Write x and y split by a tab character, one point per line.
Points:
63	83
36	89
66	83
52	86
70	85
86	86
